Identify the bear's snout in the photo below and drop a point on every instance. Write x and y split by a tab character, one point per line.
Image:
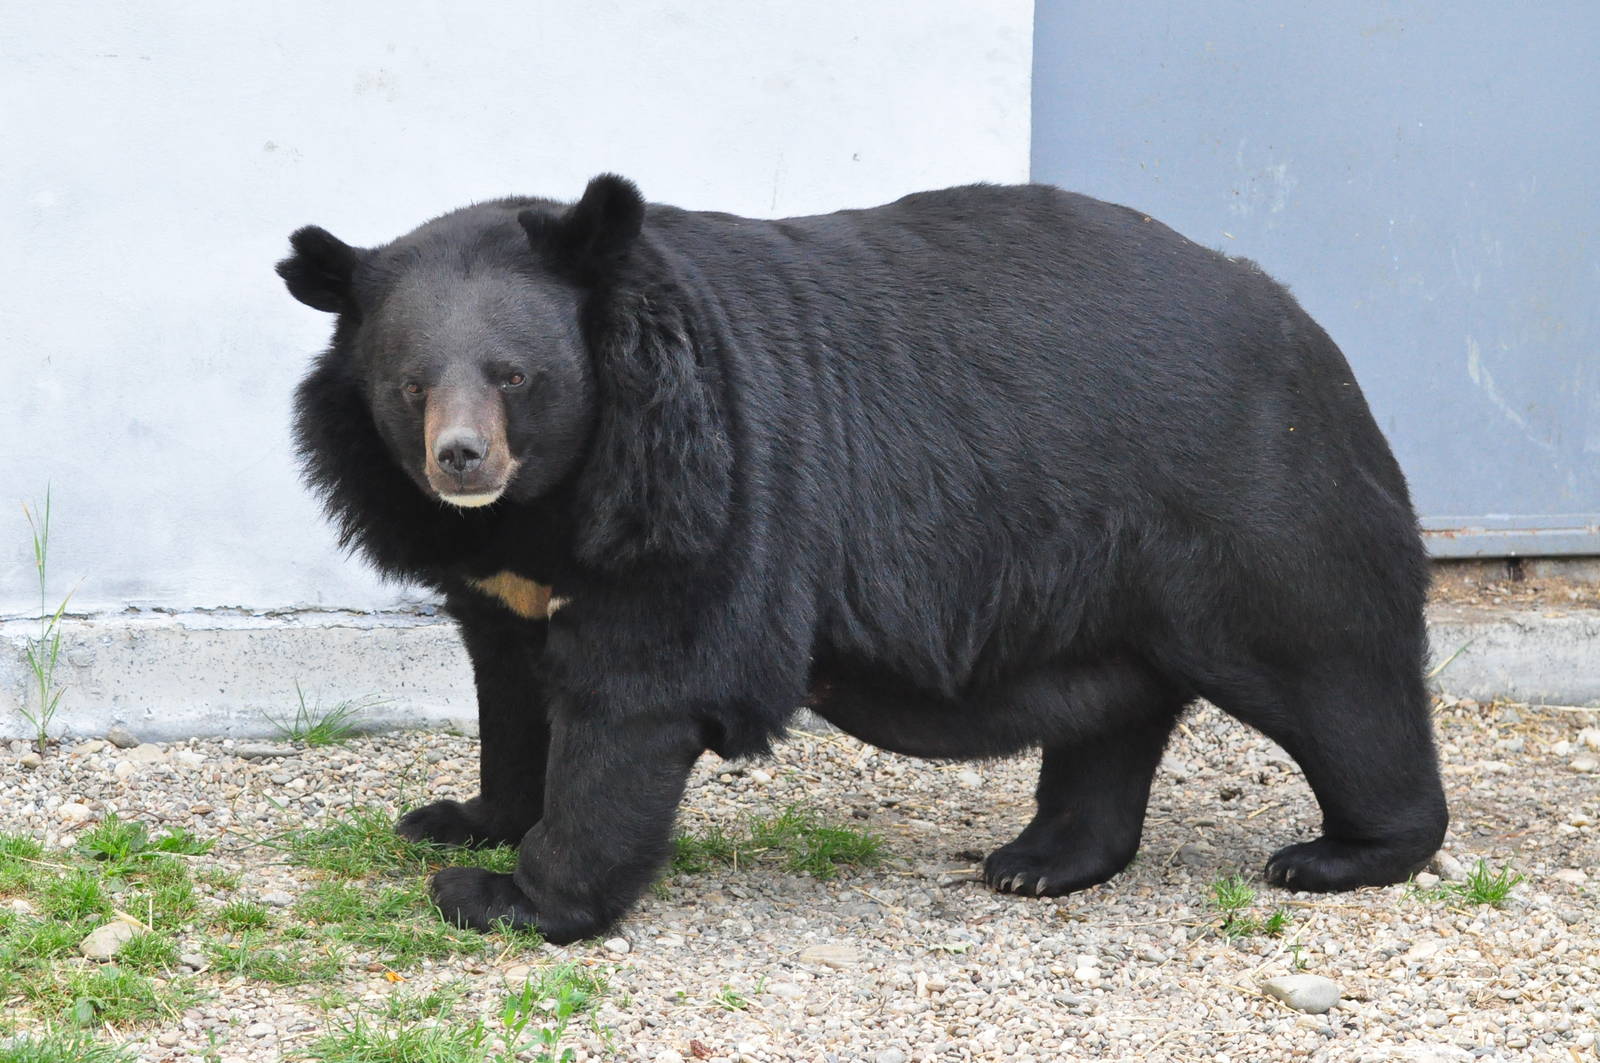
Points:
468	461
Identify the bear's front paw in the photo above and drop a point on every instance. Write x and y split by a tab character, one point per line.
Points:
483	900
452	823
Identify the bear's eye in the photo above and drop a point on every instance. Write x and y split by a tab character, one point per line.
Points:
411	387
515	380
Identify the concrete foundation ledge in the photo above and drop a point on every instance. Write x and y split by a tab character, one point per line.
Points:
170	676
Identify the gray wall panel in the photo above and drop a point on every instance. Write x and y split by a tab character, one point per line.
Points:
1422	175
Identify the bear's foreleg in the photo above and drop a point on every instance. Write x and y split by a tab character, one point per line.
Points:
613	791
513	731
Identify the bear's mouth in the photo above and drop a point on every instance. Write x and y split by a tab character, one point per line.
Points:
472	501
471	492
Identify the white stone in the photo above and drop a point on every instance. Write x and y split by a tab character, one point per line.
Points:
146	753
618	946
1448	867
106	941
1309	993
832	955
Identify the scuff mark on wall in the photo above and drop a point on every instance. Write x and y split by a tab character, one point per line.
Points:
1483	380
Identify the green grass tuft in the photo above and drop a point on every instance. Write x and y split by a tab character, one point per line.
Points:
112	995
248	956
148	953
76	895
1481	887
315	726
60	1048
242	915
364	1042
1232	897
798	838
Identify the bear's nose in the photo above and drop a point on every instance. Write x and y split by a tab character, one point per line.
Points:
460	454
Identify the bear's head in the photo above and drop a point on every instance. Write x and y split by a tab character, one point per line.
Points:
503	347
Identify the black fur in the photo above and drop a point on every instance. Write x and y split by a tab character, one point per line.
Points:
980	470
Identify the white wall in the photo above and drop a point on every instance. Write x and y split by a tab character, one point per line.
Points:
154	157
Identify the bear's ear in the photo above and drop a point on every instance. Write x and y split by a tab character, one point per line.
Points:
658	482
320	270
595	233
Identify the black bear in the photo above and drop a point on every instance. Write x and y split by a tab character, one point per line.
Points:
980	470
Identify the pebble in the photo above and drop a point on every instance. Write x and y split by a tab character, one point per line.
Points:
1309	993
145	753
260	751
121	737
618	946
1446	865
839	956
106	941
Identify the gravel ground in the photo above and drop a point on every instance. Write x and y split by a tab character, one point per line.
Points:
913	960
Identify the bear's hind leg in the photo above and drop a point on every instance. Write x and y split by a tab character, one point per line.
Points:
1365	743
1092	790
